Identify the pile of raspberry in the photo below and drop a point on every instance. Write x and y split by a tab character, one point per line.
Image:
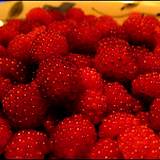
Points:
79	86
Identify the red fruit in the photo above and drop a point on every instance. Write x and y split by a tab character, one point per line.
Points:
47	44
5	134
63	27
57	78
79	60
105	149
120	100
139	142
147	85
3	52
84	37
140	28
138	52
105	24
49	124
7	34
15	23
20	46
154	114
93	104
75	132
5	86
24	106
89	78
39	15
27	144
150	63
10	68
113	59
144	118
76	14
56	15
114	124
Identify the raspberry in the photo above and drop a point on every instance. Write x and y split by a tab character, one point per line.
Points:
89	78
47	44
63	27
93	104
56	15
140	28
5	86
39	15
154	114
20	46
139	142
84	37
144	118
114	124
113	59
7	34
10	68
57	78
80	60
119	99
147	85
27	144
24	106
5	134
75	132
76	14
105	149
105	24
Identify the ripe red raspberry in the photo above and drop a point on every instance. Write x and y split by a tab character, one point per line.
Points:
144	118
140	28
89	78
75	132
5	86
5	134
63	27
114	124
84	37
27	144
57	78
105	149
147	85
138	52
56	15
20	46
7	34
139	142
149	63
3	51
24	106
105	24
15	23
39	15
47	44
76	14
120	100
10	68
154	114
113	59
92	104
80	60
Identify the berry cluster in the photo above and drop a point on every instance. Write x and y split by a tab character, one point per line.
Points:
79	86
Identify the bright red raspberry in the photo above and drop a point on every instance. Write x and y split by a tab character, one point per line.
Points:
75	132
114	124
